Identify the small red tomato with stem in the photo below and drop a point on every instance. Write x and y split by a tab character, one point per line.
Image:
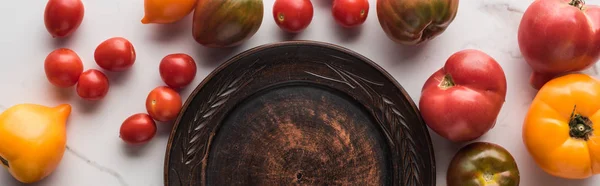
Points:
63	17
63	67
138	129
350	13
177	70
292	15
92	85
115	54
163	103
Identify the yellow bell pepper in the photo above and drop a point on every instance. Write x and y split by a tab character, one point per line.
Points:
33	140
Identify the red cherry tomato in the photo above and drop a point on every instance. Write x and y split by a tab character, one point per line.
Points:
293	15
177	70
115	54
163	103
92	85
63	67
350	13
63	17
137	129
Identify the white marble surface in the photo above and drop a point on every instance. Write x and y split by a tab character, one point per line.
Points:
96	155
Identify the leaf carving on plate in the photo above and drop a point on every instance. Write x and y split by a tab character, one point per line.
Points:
394	124
198	135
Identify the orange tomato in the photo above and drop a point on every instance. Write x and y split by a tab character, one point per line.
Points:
166	11
562	127
33	140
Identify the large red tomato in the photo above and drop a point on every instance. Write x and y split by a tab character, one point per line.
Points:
292	15
350	13
462	100
137	129
177	70
558	37
163	103
115	54
63	17
92	85
63	67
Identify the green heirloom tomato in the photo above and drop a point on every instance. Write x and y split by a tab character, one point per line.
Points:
483	164
412	22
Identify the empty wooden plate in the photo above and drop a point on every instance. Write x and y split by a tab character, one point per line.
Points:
299	113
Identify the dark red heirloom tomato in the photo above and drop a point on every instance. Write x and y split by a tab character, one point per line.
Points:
139	128
115	54
63	17
92	85
293	15
481	164
63	67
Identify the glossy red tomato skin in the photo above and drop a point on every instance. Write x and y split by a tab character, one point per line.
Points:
293	15
93	85
177	70
63	17
63	67
163	104
350	13
115	54
137	129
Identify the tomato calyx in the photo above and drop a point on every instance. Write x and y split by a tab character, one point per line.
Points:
580	127
447	82
577	3
4	161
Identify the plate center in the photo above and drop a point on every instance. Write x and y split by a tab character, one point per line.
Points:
298	134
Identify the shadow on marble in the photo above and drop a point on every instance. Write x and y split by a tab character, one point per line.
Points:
88	106
326	4
168	32
213	57
119	78
61	94
283	35
347	35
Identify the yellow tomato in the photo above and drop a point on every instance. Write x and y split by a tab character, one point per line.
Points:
33	140
166	11
562	127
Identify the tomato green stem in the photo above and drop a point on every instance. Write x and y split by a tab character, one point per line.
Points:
580	126
447	82
4	161
577	3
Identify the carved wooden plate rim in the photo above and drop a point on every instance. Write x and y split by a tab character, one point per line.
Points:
417	173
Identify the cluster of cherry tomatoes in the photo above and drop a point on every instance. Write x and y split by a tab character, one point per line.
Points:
295	15
64	68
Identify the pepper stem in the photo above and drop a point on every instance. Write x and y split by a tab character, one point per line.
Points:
577	3
4	161
580	126
447	82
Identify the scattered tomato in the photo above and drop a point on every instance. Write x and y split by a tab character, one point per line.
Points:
92	85
115	54
163	103
166	11
461	101
483	163
560	129
559	37
177	70
63	17
139	128
350	13
63	67
293	15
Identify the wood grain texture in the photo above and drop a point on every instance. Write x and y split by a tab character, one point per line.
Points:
299	113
